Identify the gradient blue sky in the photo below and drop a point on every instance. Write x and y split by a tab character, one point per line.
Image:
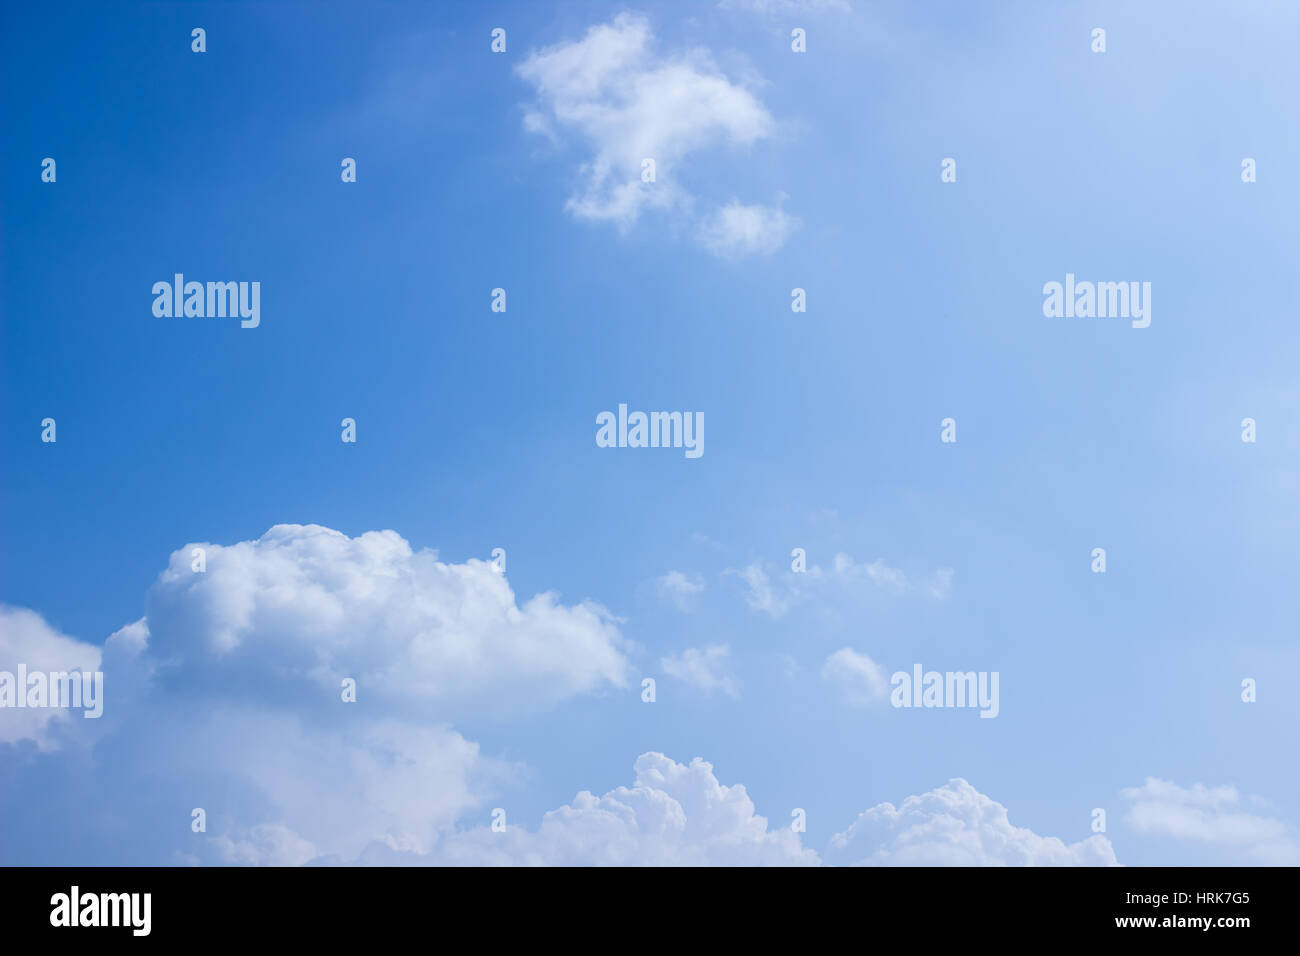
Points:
476	430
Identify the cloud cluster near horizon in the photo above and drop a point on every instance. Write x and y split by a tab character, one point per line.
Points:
225	696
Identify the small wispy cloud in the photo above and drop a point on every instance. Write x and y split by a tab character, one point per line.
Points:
679	589
861	680
759	592
737	230
705	669
775	595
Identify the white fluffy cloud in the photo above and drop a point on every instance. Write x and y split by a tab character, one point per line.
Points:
956	825
629	103
705	669
859	677
27	639
673	815
264	637
306	607
227	693
680	815
225	697
1212	816
284	786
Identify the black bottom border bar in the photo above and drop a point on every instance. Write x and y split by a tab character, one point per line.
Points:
332	905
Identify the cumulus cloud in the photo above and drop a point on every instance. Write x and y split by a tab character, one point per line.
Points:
306	607
629	103
680	590
283	787
27	639
226	696
1213	816
704	669
956	825
859	677
673	815
266	635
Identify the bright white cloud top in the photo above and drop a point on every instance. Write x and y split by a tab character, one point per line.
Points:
956	825
312	607
673	815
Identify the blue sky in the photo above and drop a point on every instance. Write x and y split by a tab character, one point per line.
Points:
479	170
